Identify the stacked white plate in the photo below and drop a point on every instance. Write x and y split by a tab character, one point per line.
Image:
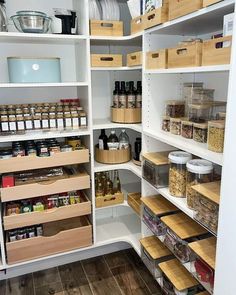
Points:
104	9
94	9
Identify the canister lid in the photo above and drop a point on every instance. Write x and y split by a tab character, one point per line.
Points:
200	125
175	102
179	157
200	166
217	124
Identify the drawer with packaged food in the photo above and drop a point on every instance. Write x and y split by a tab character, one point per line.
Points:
203	267
154	252
34	183
45	209
48	239
206	205
153	208
176	280
156	168
182	230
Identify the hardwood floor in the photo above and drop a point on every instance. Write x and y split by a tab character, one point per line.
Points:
120	273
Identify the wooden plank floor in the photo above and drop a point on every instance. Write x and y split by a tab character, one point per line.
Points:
120	273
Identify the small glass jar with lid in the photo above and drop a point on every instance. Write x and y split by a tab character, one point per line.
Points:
178	173
45	121
165	123
216	136
200	113
52	121
75	120
12	124
175	126
68	121
187	129
200	132
29	123
37	121
175	108
83	119
60	121
20	124
4	124
198	171
221	116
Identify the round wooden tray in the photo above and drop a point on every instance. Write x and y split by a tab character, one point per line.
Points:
112	157
126	116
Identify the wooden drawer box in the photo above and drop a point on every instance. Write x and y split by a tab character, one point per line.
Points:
30	163
210	2
106	60
106	201
60	236
178	8
134	201
189	55
76	182
134	59
156	59
157	16
211	55
106	28
112	156
126	116
34	218
137	24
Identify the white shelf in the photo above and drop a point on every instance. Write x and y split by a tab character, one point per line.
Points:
131	40
98	167
203	21
15	37
188	145
203	69
137	68
126	228
107	124
39	85
37	135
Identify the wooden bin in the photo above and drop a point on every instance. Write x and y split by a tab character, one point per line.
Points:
186	55
109	200
134	201
134	59
126	116
157	16
106	28
210	2
156	59
178	8
137	24
76	182
106	60
59	236
56	160
112	156
34	218
211	55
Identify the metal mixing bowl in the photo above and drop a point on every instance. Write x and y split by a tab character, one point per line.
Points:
32	23
30	12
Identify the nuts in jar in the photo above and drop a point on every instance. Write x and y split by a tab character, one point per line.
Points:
187	129
166	123
175	108
216	135
175	126
200	132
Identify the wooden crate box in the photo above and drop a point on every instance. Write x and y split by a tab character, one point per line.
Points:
106	28
157	16
134	59
156	59
106	60
178	8
137	25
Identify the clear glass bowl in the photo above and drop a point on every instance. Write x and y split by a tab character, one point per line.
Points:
32	23
30	12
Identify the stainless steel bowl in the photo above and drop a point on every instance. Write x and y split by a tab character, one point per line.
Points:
32	23
30	12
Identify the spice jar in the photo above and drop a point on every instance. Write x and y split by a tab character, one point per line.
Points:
75	142
12	124
18	149
75	120
200	132
178	173
175	126
60	121
4	124
216	136
198	171
37	121
20	124
221	116
166	123
42	149
68	121
200	113
83	119
28	123
45	121
175	108
187	129
52	121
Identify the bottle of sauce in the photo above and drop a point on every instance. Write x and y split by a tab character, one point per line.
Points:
102	141
116	95
139	95
113	142
122	96
131	98
123	140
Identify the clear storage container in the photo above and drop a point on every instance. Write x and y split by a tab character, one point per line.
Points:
188	92
200	131
216	136
200	113
178	173
203	95
153	252
187	129
206	206
165	123
156	168
175	126
221	116
198	171
175	108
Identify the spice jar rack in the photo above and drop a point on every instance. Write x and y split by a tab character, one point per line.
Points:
112	156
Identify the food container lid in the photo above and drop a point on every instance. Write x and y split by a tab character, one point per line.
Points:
155	248
204	90
166	118
176	120
217	124
175	102
200	125
30	12
210	190
186	122
198	85
200	166
159	205
158	158
201	106
180	157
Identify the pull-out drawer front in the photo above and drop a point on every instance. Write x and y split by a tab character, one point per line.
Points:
56	160
34	218
33	190
37	247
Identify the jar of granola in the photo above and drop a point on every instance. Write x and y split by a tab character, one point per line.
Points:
166	123
216	136
200	132
175	126
187	129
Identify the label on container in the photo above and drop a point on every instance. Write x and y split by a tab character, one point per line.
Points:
131	102
123	145
138	101
101	144
75	122
113	145
12	126
45	124
37	124
52	123
60	123
122	101
5	126
116	101
28	125
68	122
83	121
20	125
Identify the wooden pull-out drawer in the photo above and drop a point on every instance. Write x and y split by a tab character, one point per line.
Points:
157	16
58	237
134	59
106	28
106	60
156	59
34	218
76	182
30	163
178	8
137	24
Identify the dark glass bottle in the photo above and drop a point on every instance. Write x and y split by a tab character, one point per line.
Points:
122	96
131	99
139	95
116	95
102	141
137	148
